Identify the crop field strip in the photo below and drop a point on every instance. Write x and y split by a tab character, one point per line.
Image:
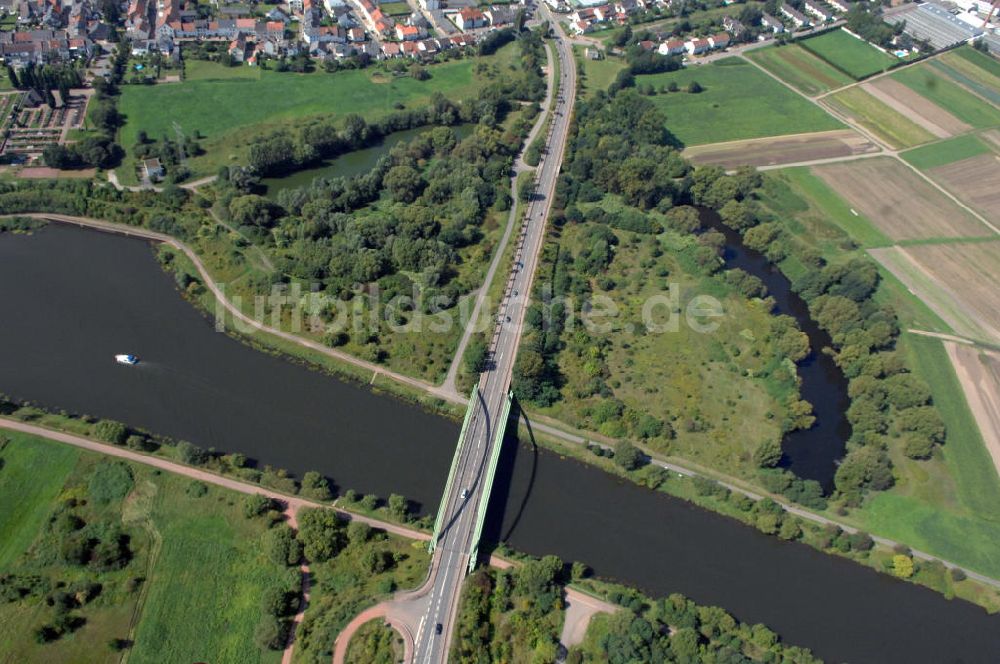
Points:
958	280
925	113
877	117
849	54
898	201
800	68
961	103
779	150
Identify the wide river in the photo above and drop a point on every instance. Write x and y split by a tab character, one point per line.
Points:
73	298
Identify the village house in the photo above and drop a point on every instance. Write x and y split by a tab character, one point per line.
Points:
408	32
841	5
734	27
771	23
797	18
697	46
671	47
818	9
720	40
468	18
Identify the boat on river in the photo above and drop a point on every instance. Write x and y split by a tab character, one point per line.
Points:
126	359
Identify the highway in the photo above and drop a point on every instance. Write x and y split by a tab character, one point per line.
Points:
460	505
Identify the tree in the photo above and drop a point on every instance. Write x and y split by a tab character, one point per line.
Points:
111	432
768	454
251	210
398	506
628	456
281	547
256	504
694	87
526	189
191	454
404	183
315	486
321	532
902	566
476	356
270	633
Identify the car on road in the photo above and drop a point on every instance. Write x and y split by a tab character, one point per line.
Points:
465	493
437	628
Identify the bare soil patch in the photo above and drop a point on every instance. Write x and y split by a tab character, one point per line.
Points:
959	281
782	149
898	201
975	180
46	173
979	373
927	114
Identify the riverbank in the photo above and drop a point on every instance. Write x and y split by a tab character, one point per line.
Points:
292	418
553	438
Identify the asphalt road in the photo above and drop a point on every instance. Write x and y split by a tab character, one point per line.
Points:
451	557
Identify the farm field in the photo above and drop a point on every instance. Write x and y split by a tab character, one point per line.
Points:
979	374
738	101
969	76
888	124
212	103
799	192
958	281
899	202
960	102
928	115
782	149
946	152
974	182
851	55
799	68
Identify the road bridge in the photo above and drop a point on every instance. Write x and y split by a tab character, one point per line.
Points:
466	497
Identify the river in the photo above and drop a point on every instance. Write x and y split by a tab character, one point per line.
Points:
809	453
78	297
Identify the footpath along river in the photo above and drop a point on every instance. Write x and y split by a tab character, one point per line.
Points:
73	298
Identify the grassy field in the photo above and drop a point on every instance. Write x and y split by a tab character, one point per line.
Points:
203	602
738	101
597	74
974	70
948	509
228	106
959	102
396	8
375	642
946	152
851	55
199	556
27	493
880	119
799	68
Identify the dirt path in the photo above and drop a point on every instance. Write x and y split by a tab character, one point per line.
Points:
979	373
383	611
291	502
580	608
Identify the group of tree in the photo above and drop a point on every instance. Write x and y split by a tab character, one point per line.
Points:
887	400
99	150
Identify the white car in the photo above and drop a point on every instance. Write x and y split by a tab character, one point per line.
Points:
465	493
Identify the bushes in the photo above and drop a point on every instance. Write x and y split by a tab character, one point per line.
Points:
110	482
111	432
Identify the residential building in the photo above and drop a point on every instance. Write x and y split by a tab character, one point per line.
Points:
794	15
720	40
818	9
468	18
671	47
697	46
771	23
